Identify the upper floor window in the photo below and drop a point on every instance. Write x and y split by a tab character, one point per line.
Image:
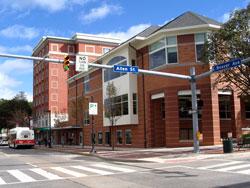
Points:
71	49
163	52
54	47
86	84
199	45
105	50
247	109
109	74
225	106
118	105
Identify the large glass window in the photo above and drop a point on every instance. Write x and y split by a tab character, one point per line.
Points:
109	74
119	136
86	84
119	106
199	45
134	103
186	134
185	106
162	52
99	137
107	138
225	106
128	136
247	109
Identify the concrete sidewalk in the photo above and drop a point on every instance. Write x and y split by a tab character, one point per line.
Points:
136	154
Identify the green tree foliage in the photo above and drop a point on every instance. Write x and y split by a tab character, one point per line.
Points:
229	42
15	111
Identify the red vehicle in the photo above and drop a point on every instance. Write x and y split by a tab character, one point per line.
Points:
21	136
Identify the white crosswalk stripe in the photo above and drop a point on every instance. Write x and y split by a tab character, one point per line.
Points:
2	182
51	173
113	168
97	171
239	167
45	174
21	176
233	167
69	172
220	165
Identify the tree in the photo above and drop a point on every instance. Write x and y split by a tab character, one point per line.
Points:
230	42
15	111
111	112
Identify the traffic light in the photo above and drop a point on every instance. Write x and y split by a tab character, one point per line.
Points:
66	63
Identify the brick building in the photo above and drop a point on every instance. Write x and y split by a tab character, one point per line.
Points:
153	111
50	88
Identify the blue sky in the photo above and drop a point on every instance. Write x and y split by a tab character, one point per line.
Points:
23	23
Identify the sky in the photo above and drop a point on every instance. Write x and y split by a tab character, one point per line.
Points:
24	22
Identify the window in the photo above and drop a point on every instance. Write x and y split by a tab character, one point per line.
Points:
100	138
71	49
109	74
86	118
247	109
128	136
54	97
105	50
225	106
118	104
92	138
199	45
185	105
163	52
186	134
162	109
86	84
107	138
119	137
54	47
134	103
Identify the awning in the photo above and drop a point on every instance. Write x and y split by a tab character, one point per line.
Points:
41	128
68	127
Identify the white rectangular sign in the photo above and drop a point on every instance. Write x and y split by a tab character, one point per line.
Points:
93	108
82	63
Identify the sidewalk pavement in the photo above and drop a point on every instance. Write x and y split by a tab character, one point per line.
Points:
138	154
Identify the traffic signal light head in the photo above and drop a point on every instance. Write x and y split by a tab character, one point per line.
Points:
66	63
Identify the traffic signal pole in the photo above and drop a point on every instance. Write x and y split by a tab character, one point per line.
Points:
192	78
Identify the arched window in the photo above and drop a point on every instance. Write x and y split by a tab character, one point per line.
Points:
109	74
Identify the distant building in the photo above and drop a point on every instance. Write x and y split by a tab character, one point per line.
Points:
50	88
153	110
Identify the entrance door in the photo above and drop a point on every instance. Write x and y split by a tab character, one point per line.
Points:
158	122
80	138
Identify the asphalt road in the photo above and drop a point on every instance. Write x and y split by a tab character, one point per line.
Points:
39	168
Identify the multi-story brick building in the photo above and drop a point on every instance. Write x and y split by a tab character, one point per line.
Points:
50	88
154	111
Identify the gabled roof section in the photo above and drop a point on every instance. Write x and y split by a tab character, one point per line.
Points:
189	19
148	31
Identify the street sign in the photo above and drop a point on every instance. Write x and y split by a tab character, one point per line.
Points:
82	63
125	68
93	108
227	65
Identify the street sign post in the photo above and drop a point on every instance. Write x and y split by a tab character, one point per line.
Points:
227	65
125	68
82	63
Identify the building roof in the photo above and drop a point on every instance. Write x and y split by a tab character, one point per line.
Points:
188	19
148	31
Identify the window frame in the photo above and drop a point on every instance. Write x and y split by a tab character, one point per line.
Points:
126	131
165	46
117	137
228	109
199	43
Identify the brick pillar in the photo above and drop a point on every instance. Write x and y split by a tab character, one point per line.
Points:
236	115
210	116
172	118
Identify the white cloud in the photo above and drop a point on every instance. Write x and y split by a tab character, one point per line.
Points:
16	67
100	13
19	31
225	17
124	35
50	5
16	49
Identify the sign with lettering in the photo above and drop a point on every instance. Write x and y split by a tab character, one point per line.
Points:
227	65
125	68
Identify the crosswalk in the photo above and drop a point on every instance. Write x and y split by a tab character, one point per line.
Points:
239	167
15	176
